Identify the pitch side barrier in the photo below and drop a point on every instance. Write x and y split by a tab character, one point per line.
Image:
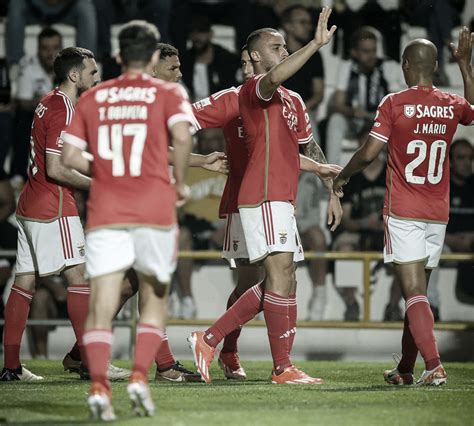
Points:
365	257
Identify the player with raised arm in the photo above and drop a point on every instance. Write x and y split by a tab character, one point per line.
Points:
417	126
50	235
126	124
221	110
275	122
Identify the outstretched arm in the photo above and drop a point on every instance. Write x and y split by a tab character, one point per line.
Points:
462	54
215	162
288	67
359	161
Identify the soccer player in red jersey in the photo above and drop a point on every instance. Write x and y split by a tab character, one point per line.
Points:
50	235
275	123
168	368
221	110
126	124
417	126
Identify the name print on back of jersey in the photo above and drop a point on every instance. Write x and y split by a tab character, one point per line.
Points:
433	111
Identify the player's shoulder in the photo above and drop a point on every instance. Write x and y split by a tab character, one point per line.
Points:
398	97
251	82
297	96
57	101
226	93
450	97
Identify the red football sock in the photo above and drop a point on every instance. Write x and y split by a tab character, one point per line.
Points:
98	348
409	349
16	315
164	357
77	309
242	311
230	341
275	309
293	314
149	339
421	323
75	353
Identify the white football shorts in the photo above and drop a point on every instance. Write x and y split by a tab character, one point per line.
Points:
409	241
49	247
148	250
271	227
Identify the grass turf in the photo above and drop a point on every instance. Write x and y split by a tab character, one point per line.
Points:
354	394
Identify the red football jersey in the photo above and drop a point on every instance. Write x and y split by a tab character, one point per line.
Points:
43	199
221	110
418	124
273	129
124	123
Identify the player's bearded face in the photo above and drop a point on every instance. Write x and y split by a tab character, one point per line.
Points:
273	51
88	77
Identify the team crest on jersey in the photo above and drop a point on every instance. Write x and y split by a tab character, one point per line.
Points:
235	245
409	111
283	237
82	250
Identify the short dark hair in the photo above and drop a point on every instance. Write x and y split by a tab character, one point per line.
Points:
137	42
254	36
244	48
167	50
363	33
49	32
287	13
69	58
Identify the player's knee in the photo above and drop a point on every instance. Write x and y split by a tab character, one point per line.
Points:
26	282
75	274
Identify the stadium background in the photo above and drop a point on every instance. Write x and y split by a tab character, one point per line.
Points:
212	281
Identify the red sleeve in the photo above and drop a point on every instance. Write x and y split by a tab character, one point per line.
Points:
57	120
212	112
76	133
304	130
252	92
382	127
467	113
177	107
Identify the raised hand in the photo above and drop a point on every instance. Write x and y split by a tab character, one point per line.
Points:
463	52
322	35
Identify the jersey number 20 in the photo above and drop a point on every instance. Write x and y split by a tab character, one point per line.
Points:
436	158
110	146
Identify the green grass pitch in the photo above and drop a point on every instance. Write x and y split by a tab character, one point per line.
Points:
354	394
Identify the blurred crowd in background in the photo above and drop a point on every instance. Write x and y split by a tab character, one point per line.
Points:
341	87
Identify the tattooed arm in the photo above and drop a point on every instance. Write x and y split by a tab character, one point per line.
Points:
334	212
314	151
